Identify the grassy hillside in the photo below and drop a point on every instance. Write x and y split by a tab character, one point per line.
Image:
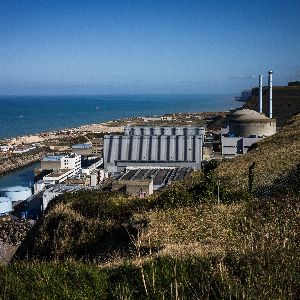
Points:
274	158
177	244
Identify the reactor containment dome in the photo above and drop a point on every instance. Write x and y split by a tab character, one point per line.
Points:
249	123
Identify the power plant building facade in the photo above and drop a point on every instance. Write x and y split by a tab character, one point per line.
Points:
157	150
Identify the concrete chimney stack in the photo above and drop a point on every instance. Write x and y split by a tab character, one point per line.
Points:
260	94
270	91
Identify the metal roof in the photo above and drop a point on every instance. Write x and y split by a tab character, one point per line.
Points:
164	130
53	158
82	146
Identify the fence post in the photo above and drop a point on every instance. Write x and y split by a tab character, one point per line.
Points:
251	177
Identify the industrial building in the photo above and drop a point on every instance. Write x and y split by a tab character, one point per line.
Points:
82	149
140	188
90	164
57	162
245	127
159	176
156	151
164	130
232	146
57	176
96	146
249	123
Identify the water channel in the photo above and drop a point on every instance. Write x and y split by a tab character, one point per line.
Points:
23	177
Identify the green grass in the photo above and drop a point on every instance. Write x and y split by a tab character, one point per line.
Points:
267	275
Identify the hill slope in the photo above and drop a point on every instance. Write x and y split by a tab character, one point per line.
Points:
179	243
274	158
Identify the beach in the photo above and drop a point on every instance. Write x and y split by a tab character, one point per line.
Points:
61	140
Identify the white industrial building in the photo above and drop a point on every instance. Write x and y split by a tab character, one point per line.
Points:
147	150
82	149
89	165
58	176
57	162
154	146
232	146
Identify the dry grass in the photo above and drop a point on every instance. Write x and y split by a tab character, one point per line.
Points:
199	230
275	156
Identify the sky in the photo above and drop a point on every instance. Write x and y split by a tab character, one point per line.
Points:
52	47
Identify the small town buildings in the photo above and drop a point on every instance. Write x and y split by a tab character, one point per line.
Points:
82	149
4	148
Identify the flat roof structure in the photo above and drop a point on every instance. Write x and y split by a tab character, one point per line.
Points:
164	130
82	146
160	176
53	158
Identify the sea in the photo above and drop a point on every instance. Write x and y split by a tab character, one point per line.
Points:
22	115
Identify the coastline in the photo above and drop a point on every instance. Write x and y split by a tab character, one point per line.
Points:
42	140
11	163
19	163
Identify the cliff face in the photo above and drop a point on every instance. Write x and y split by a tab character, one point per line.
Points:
286	103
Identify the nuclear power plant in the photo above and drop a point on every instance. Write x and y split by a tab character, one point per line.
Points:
158	147
245	127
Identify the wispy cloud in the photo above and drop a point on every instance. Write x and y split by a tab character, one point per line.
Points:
295	75
244	77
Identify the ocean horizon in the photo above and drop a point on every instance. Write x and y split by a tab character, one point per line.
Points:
23	115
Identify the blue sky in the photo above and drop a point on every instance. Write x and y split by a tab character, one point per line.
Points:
112	47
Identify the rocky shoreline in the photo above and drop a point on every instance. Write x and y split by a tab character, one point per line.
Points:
12	164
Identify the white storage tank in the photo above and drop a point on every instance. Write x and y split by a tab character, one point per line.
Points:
5	205
16	193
